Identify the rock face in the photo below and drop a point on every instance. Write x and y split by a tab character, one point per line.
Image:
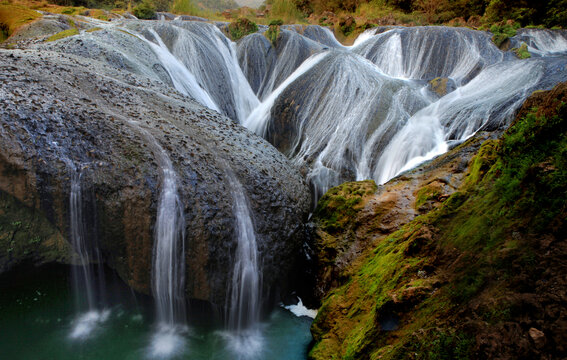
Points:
267	66
61	113
463	257
354	216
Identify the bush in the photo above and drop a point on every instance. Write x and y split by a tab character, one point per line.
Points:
276	22
286	10
145	11
240	28
185	7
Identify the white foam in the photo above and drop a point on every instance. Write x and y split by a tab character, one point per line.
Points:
245	344
168	342
300	310
87	323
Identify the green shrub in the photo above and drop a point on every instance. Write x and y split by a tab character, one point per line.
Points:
502	33
145	10
285	10
272	34
276	22
240	28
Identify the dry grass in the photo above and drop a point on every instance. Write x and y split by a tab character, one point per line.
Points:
12	17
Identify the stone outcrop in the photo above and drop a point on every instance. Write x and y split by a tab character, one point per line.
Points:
61	113
463	257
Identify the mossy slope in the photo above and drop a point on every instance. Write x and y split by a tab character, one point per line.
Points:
481	275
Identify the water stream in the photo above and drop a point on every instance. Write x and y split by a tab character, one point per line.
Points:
339	113
244	334
88	277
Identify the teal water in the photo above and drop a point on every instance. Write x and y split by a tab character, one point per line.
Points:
37	317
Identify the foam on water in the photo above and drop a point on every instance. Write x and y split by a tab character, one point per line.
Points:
300	310
167	342
244	345
86	324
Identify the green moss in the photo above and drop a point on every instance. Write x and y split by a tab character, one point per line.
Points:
272	34
26	234
522	52
63	34
502	33
482	162
426	194
93	29
341	203
515	184
241	28
12	17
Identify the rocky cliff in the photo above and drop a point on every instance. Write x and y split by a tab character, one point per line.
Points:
61	113
461	258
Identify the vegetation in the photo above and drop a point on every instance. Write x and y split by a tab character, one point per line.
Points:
285	10
145	10
12	17
273	31
240	28
460	270
522	52
184	7
502	33
63	34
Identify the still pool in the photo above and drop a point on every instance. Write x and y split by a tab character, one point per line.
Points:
38	320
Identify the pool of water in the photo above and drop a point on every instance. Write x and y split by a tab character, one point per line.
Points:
38	320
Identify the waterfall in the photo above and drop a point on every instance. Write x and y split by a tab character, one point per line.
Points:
266	66
429	52
244	336
246	283
168	282
88	277
211	58
488	100
168	261
169	254
183	80
543	41
258	119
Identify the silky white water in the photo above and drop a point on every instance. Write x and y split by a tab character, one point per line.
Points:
88	276
244	336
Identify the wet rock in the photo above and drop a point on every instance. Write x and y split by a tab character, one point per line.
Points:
61	112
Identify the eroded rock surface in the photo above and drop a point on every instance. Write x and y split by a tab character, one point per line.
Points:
61	113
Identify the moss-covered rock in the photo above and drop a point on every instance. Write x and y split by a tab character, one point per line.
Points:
522	52
473	277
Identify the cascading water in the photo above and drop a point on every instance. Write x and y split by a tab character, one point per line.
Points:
267	67
207	54
337	124
244	336
488	100
347	120
88	277
183	80
168	282
429	52
544	42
